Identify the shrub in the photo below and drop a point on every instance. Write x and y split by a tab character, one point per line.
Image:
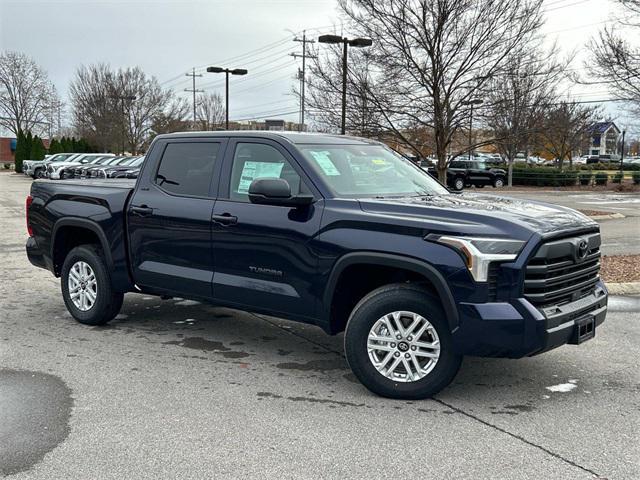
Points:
636	177
544	177
601	178
585	178
617	178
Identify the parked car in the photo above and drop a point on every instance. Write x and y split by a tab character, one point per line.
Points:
455	180
81	171
56	171
478	173
603	159
120	170
38	168
277	223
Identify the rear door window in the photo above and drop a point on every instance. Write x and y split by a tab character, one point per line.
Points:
186	168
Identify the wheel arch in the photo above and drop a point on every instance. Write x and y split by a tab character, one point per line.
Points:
408	264
60	232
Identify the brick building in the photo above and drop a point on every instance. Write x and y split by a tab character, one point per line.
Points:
7	149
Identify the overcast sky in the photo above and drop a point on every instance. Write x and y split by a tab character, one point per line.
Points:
169	37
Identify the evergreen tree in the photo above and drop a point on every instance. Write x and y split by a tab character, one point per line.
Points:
37	149
54	147
28	145
20	153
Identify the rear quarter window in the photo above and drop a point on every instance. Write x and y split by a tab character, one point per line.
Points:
187	168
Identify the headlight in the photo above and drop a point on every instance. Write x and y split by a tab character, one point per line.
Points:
479	252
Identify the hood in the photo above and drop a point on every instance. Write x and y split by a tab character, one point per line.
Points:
481	214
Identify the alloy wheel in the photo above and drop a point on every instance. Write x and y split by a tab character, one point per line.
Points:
83	287
403	346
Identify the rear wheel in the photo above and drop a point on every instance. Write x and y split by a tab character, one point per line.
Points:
398	343
458	184
86	287
498	182
39	173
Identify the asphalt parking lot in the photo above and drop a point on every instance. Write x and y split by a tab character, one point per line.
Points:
619	235
177	389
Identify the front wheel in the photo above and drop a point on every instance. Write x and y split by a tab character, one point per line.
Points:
458	184
86	287
39	173
398	343
498	182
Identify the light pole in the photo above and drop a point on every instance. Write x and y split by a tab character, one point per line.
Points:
122	98
354	42
227	71
471	103
622	156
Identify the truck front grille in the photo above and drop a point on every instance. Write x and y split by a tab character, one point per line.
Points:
561	272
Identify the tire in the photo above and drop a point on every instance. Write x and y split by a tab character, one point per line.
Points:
458	184
106	303
39	173
368	315
480	186
498	182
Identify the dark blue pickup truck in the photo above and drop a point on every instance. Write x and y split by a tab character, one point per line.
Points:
335	231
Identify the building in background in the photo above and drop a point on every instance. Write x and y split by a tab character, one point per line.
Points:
7	149
603	139
273	124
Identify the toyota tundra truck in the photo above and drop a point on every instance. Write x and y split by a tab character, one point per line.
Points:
334	231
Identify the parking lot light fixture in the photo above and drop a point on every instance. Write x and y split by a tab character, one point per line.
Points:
346	42
227	71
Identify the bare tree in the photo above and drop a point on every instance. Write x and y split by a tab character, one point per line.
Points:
433	56
518	98
172	119
324	92
114	108
614	60
210	111
565	128
26	94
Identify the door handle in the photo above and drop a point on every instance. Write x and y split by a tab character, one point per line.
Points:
224	219
142	211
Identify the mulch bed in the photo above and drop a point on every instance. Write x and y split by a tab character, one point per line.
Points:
620	268
593	213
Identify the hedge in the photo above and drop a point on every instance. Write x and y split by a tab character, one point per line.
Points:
544	177
617	178
636	178
586	178
601	178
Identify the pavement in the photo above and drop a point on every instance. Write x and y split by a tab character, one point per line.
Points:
177	389
619	235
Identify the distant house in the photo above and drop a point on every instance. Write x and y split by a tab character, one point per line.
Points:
603	138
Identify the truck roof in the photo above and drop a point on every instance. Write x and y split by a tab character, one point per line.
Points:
291	137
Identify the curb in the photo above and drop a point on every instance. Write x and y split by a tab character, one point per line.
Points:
626	288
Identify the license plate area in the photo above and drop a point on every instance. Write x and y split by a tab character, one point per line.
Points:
585	329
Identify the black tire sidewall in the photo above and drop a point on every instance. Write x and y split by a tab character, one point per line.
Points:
374	307
100	312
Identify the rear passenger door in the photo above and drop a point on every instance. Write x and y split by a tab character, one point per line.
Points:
169	217
263	255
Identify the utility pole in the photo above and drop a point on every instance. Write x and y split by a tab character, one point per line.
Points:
193	75
301	74
622	156
471	103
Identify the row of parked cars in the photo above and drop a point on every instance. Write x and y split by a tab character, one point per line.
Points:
84	165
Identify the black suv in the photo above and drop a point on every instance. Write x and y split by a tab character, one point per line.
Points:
477	173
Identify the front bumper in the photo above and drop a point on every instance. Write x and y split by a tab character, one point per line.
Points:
518	329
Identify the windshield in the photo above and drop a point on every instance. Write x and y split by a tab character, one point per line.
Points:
369	171
61	157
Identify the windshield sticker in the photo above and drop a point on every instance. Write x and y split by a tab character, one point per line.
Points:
325	163
253	170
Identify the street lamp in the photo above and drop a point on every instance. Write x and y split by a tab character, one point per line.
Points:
471	103
354	42
122	99
227	71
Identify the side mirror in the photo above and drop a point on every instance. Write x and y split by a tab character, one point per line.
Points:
277	192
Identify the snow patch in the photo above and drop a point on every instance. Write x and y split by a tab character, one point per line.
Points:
187	302
562	387
122	316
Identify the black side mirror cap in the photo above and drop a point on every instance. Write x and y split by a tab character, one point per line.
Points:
277	192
